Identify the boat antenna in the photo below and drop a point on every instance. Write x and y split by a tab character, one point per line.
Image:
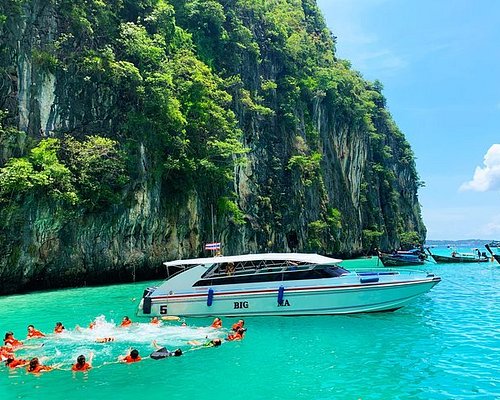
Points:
212	212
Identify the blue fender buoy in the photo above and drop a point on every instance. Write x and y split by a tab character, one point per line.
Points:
281	293
210	298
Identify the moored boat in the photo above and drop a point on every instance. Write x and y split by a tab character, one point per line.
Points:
401	259
496	256
458	257
279	284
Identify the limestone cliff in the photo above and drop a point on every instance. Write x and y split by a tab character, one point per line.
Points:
241	106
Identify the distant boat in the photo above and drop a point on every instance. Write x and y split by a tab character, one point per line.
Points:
402	258
494	243
496	256
458	257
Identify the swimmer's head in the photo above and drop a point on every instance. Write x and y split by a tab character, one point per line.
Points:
8	335
134	354
33	363
178	353
81	359
217	342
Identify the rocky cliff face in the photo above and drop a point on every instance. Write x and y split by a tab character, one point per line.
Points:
326	170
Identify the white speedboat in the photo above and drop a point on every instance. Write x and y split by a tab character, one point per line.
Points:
279	284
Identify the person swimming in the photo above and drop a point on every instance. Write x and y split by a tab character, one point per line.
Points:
34	333
238	325
217	324
59	328
11	341
132	357
163	352
125	322
6	352
12	362
35	367
209	343
105	340
82	364
155	321
238	335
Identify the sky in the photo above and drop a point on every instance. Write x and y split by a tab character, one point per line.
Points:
439	63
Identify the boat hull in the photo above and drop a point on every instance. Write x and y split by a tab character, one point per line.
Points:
400	262
346	299
449	260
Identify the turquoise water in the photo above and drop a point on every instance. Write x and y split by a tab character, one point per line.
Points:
445	345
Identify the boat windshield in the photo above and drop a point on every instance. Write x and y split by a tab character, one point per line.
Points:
266	271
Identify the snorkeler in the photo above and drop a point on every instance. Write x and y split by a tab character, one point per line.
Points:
59	328
217	324
81	364
125	322
34	333
35	366
132	357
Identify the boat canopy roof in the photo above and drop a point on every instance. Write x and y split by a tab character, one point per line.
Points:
294	257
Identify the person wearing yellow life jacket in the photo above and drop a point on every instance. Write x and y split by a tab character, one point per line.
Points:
59	328
34	333
81	363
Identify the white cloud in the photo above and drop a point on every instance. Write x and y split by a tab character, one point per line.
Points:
486	178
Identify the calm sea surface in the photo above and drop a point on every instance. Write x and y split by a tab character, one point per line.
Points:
444	345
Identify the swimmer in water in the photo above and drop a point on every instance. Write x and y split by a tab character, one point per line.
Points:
155	321
35	367
11	341
238	325
12	362
125	322
34	333
217	324
238	335
132	357
163	352
81	364
6	352
59	328
209	343
105	340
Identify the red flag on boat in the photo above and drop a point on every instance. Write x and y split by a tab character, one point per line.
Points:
212	246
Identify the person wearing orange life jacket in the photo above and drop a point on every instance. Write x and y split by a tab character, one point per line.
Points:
81	364
132	357
125	322
11	341
238	325
155	321
238	335
217	324
59	328
35	367
6	353
34	333
11	362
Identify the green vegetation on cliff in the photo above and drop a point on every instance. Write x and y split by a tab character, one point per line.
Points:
177	105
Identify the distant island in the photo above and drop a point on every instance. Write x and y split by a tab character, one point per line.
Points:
459	243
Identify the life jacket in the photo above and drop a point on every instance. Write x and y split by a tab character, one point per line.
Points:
13	342
155	322
16	363
35	333
235	336
126	323
92	325
216	324
237	326
129	359
5	353
38	369
58	329
78	367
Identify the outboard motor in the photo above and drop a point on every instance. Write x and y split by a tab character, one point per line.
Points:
146	300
